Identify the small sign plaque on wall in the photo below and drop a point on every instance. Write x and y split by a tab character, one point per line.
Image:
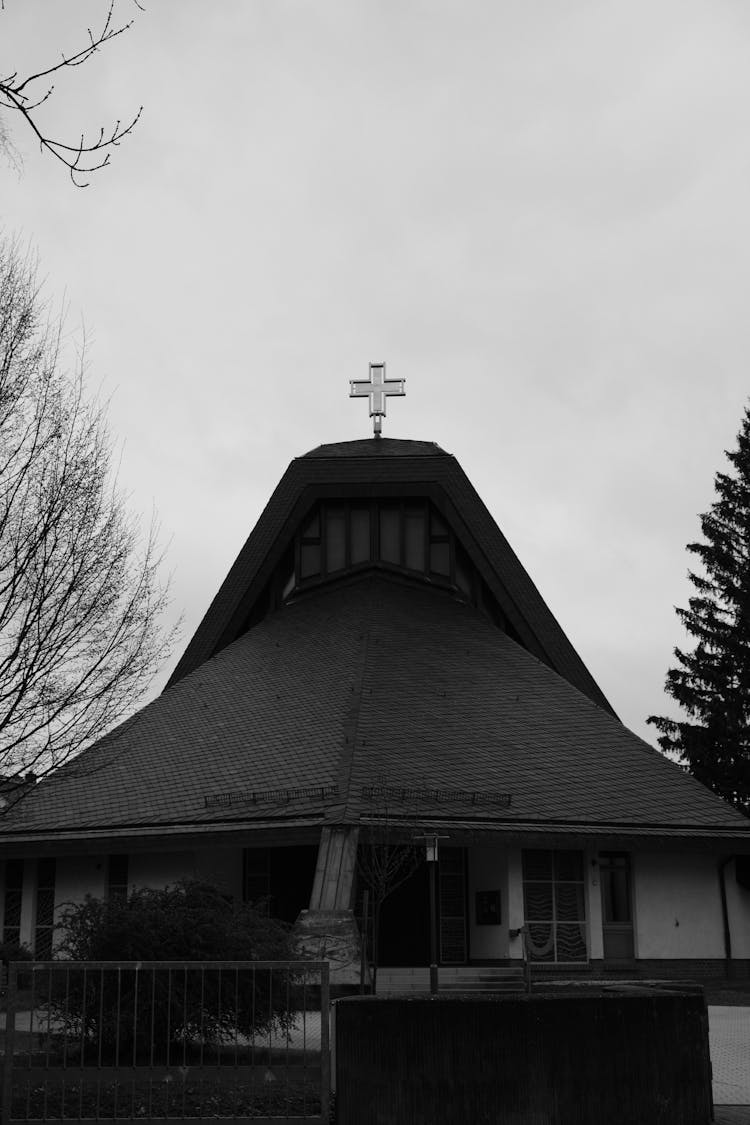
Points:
488	908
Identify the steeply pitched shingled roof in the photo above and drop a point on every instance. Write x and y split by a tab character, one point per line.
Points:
374	683
366	466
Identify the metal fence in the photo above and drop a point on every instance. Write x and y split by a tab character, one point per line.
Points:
245	1041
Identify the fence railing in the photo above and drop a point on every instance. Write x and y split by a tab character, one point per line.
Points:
166	1040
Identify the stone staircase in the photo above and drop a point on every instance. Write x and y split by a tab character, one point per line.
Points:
452	978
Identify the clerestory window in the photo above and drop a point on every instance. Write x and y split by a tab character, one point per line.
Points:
409	535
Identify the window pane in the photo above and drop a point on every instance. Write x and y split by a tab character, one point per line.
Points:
45	907
335	539
537	899
12	911
437	526
571	942
43	943
45	873
452	859
537	864
440	559
463	575
390	547
452	941
569	865
14	873
309	563
615	896
569	902
360	545
540	936
311	529
414	533
12	900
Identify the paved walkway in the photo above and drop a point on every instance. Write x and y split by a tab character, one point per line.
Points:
729	1039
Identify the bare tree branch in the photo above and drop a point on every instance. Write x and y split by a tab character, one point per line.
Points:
80	598
18	94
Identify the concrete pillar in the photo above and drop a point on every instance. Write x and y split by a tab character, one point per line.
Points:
328	930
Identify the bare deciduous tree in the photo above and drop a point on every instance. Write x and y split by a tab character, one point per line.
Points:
24	94
80	599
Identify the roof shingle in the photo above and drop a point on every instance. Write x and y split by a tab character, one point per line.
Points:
375	682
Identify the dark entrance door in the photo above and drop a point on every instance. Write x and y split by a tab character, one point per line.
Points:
405	915
404	922
617	913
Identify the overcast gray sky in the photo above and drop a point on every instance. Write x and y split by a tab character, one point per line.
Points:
536	212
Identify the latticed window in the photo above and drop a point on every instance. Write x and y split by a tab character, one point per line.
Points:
12	900
45	909
452	889
554	905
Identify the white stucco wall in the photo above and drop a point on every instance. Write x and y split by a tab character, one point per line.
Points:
593	904
677	905
222	867
738	908
160	869
488	871
77	876
514	914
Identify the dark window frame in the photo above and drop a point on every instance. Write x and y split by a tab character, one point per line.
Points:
44	912
13	900
403	506
553	881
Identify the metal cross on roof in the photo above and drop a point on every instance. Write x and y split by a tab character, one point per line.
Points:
377	388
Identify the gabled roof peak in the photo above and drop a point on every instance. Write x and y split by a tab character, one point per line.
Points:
378	447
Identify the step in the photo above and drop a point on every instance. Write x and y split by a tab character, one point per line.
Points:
451	978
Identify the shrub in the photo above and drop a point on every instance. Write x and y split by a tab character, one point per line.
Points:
12	951
119	1013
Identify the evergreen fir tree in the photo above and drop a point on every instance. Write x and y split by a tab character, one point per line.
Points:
712	683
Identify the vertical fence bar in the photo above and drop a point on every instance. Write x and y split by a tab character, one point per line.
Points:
166	1086
32	1010
10	1029
304	1035
287	1036
185	1022
237	1083
252	1032
325	1056
31	1025
78	990
136	979
151	1044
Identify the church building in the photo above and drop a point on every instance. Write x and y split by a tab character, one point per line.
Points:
376	668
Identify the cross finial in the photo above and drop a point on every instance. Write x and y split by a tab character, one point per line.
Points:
377	388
